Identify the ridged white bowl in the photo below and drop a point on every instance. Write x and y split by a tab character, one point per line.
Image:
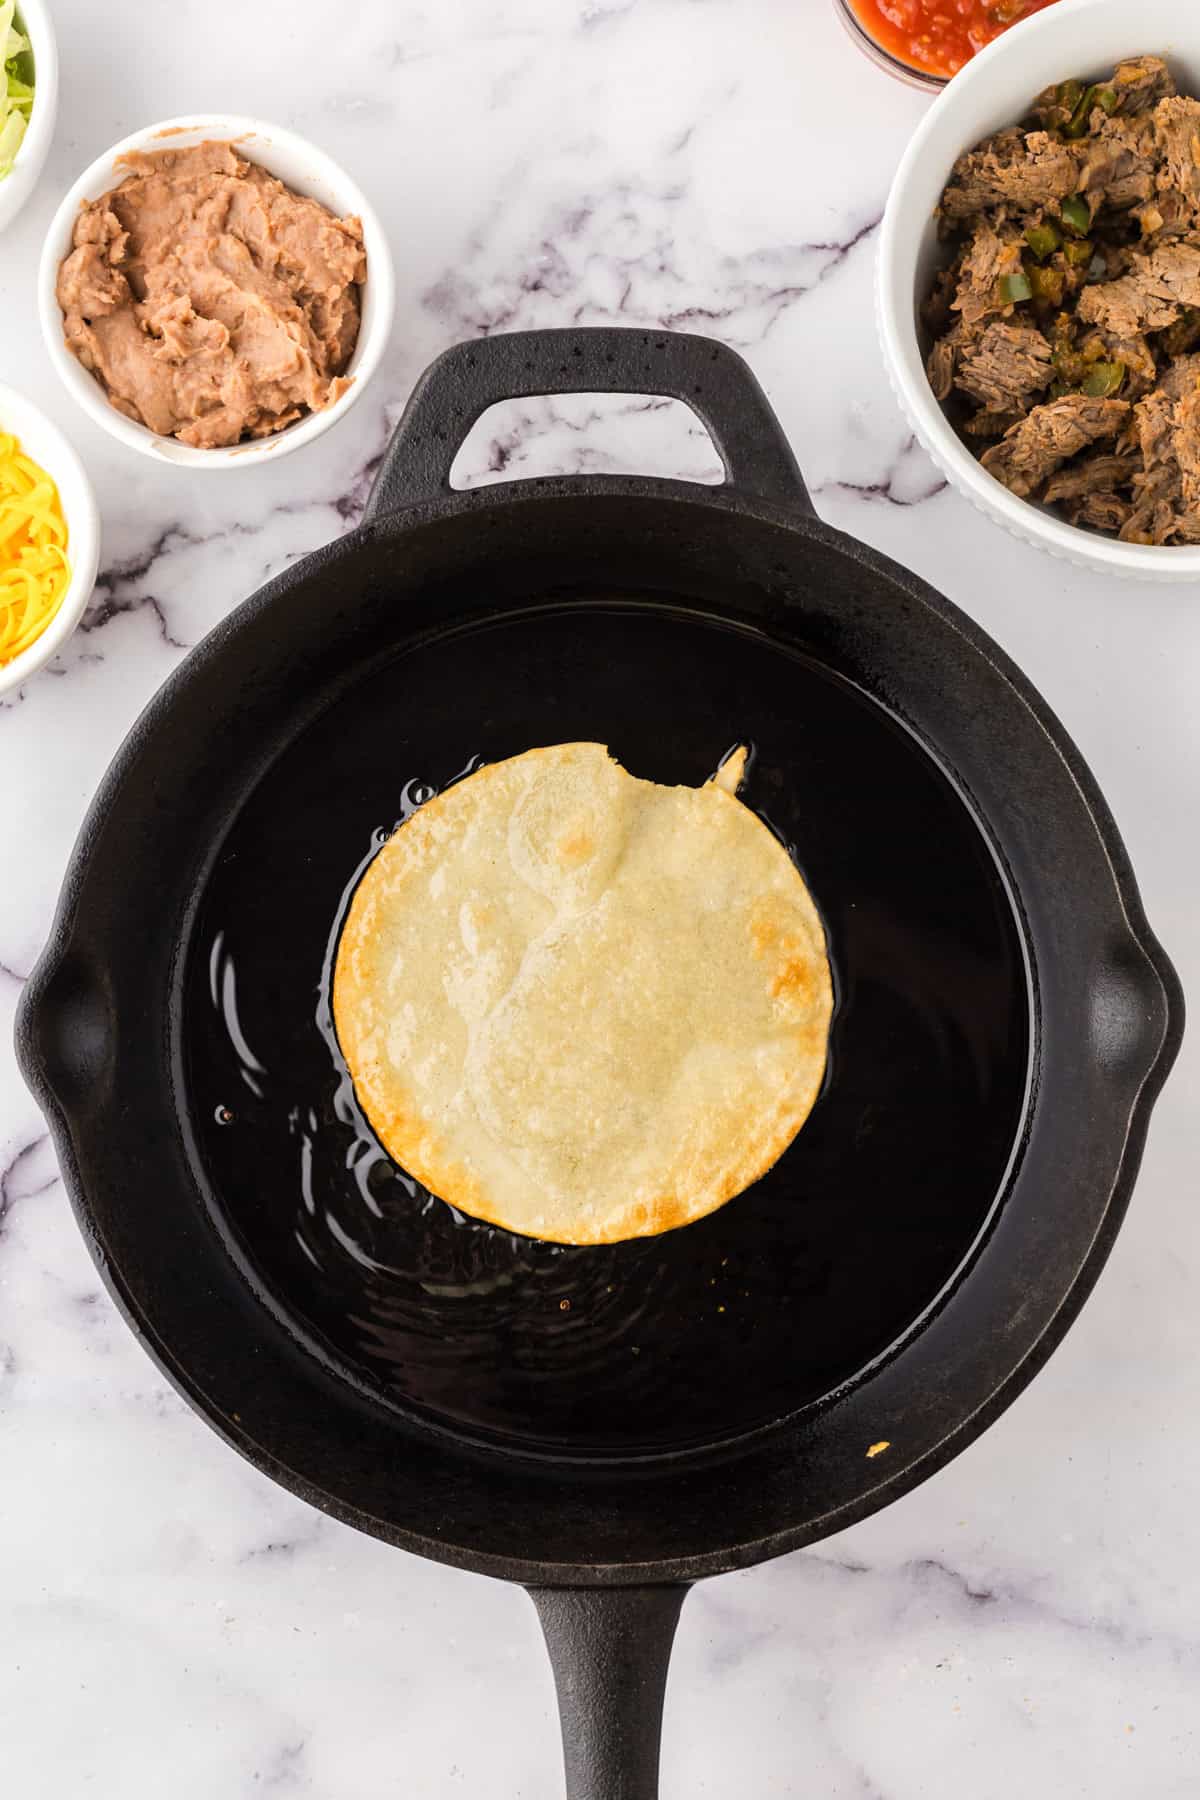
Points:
1085	38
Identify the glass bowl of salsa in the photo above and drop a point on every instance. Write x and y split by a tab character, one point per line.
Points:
925	42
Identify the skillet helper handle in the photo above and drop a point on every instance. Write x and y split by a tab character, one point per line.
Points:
714	381
609	1648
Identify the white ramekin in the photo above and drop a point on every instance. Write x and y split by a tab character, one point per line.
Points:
46	444
1085	38
300	166
20	182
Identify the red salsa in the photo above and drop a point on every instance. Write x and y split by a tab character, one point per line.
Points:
939	36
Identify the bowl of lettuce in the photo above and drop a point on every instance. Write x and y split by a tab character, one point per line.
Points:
28	99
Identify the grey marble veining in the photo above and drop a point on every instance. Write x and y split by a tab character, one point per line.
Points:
1027	1622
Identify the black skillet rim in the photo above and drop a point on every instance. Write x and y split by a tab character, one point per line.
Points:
457	1546
725	1444
1119	994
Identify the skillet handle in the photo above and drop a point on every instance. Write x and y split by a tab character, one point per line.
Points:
713	380
609	1648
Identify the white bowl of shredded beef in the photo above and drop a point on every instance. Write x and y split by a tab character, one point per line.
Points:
214	291
1038	284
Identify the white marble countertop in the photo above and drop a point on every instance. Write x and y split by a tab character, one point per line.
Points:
172	1624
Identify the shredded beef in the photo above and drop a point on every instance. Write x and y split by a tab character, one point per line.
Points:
1182	378
1155	518
1136	86
940	368
1141	82
1010	363
1167	490
1167	215
1181	337
1064	325
1047	436
1098	473
1177	132
990	256
936	313
1141	370
1152	422
1151	296
1120	163
1016	168
1186	433
987	423
1106	512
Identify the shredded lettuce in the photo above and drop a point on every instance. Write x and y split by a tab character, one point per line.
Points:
16	91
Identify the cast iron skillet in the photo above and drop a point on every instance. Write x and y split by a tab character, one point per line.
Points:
605	1426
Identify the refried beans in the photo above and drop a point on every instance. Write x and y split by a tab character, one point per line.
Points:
210	302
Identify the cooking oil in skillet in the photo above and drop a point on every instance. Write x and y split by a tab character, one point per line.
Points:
701	1334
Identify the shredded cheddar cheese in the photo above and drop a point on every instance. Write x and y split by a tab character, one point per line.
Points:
34	571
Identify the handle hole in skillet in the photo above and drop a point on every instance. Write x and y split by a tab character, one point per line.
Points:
587	434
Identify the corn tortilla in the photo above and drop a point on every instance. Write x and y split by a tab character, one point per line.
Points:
580	1005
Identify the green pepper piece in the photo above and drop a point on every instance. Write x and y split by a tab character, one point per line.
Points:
1076	214
1055	105
1047	285
1043	239
1106	98
1077	125
1078	252
1103	380
1073	127
1014	288
1068	365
